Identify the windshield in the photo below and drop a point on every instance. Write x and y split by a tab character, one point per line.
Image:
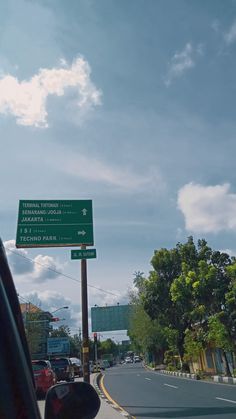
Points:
39	366
59	363
118	197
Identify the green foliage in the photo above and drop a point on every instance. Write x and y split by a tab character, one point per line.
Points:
193	344
200	374
189	296
60	332
218	334
172	361
108	347
146	334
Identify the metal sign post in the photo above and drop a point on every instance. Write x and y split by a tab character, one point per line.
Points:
57	223
85	334
96	350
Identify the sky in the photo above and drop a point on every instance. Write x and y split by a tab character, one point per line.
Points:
130	104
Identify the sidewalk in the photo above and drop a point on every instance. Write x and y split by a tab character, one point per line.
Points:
106	411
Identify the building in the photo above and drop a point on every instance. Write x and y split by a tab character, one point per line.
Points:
37	327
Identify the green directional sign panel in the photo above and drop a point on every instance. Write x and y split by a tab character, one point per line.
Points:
83	254
49	223
110	318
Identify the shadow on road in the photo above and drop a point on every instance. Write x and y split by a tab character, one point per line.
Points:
180	412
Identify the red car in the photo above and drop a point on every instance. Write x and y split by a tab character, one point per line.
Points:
44	376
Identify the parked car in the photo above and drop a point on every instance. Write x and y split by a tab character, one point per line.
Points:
78	370
128	360
137	358
44	376
63	369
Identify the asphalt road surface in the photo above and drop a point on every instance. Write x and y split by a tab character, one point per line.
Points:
146	394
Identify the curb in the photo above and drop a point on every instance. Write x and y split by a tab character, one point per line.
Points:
148	368
175	373
180	374
96	382
216	378
224	380
103	393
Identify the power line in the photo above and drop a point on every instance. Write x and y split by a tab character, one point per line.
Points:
60	273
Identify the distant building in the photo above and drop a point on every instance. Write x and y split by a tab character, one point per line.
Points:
37	327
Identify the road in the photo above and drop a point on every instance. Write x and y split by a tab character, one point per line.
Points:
147	394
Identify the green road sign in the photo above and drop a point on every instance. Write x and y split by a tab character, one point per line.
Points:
83	254
51	223
110	318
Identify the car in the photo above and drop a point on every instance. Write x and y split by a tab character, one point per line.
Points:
63	369
137	359
128	360
104	363
66	400
44	376
94	368
77	364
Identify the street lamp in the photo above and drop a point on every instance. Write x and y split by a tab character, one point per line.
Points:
60	308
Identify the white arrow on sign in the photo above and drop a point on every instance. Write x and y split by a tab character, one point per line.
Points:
84	211
81	233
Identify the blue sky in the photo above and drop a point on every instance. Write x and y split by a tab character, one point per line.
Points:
130	104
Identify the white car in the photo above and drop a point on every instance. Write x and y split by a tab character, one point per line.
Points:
128	360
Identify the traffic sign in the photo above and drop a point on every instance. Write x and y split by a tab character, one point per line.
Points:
83	254
52	223
58	346
109	318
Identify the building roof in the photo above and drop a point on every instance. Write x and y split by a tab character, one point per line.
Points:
30	308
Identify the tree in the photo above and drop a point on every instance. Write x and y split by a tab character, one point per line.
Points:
194	343
108	346
160	296
219	336
189	284
146	335
60	332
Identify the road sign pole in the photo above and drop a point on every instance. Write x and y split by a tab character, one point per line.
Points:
85	335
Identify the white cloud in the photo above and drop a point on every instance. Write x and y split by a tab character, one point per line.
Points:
207	209
27	100
111	297
49	300
230	36
122	177
45	268
182	61
229	252
17	259
39	269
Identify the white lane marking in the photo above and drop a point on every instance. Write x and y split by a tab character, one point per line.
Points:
149	379
226	400
169	385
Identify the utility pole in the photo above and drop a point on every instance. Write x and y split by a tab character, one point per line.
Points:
85	335
96	350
